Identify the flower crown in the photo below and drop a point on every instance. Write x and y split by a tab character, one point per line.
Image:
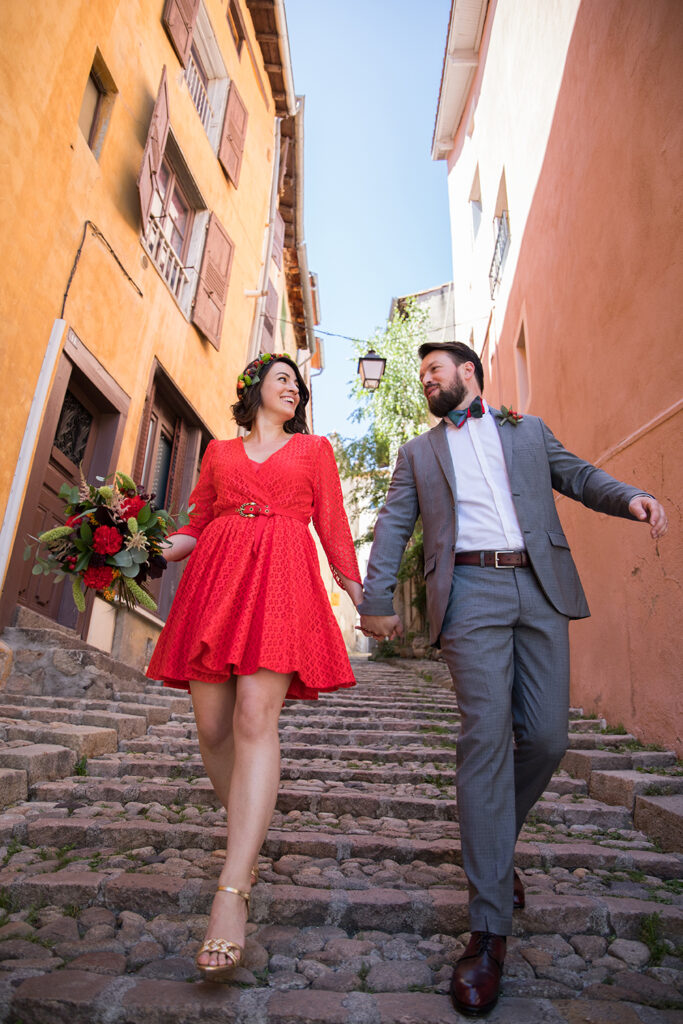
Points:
251	374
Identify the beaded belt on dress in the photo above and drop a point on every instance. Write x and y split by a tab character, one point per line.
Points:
253	510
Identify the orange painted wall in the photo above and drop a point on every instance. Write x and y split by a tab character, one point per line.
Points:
598	290
52	183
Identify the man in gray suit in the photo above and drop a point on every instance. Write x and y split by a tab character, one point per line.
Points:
501	589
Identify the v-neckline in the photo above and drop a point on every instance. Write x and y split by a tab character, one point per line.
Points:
255	462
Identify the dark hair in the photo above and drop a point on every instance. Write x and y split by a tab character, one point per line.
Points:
459	353
249	399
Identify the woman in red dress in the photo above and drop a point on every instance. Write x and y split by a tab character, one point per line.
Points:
251	623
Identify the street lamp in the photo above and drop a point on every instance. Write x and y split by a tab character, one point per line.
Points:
371	369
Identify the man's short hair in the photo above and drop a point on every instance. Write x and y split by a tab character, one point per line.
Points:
459	352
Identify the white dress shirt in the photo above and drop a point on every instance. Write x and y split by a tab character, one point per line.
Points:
487	520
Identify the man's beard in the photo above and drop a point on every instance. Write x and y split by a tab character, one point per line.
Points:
442	401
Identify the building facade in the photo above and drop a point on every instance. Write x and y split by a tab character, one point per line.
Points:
561	123
153	241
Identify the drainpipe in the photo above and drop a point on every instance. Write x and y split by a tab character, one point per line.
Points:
301	245
28	444
261	292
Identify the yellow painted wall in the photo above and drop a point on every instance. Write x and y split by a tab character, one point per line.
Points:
51	183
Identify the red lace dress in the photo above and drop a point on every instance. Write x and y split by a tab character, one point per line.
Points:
251	595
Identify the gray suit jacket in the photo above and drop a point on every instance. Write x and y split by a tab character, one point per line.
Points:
424	483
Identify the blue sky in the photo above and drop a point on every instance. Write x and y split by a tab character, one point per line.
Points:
375	204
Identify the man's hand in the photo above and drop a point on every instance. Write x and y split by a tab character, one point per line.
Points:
381	627
648	510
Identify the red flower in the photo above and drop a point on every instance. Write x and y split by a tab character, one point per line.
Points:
107	540
74	520
99	579
131	506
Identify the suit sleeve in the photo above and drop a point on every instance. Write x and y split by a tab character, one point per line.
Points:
329	517
584	482
203	497
393	530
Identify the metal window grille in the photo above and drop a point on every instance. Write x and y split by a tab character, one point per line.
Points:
198	92
165	259
499	252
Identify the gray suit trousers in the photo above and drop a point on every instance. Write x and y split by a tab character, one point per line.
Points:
507	649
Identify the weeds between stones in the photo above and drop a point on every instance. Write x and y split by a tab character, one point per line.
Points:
651	935
14	846
81	766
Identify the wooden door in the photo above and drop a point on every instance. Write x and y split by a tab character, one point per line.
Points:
73	444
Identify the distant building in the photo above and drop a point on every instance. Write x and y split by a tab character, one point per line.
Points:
439	302
561	122
153	243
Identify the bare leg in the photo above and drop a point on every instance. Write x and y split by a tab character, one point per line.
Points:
214	706
252	794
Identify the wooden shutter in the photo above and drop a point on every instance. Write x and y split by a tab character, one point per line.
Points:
154	151
278	239
234	133
178	18
269	318
212	287
145	421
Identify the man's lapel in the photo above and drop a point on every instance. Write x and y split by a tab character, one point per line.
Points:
507	433
439	442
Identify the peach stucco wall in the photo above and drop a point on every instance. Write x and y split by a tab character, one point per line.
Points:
596	285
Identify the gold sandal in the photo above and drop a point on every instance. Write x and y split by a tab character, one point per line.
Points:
233	952
253	878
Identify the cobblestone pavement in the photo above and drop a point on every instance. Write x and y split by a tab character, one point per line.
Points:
106	873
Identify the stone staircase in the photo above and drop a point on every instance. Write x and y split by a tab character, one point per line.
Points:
106	875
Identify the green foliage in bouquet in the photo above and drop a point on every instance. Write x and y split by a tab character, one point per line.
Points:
111	543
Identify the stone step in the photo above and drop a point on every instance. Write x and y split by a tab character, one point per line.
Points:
622	787
13	786
126	726
153	714
597	740
439	910
662	817
100	833
63	658
84	740
40	761
158	696
580	763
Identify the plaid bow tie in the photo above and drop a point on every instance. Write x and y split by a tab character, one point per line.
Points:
474	410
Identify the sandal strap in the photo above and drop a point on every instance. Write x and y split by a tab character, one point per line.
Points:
238	892
224	946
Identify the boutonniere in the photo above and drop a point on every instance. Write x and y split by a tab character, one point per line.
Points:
509	416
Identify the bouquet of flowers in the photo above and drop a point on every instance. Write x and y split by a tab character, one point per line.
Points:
111	542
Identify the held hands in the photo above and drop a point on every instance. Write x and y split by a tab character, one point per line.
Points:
648	509
381	627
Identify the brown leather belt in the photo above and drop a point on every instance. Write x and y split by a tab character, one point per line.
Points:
493	559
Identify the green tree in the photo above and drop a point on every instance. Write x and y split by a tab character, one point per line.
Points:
395	413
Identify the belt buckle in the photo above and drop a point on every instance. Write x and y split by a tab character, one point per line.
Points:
497	564
247	504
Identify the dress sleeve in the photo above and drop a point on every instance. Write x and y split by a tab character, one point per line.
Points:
329	517
203	497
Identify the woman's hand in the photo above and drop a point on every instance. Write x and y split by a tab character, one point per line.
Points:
178	546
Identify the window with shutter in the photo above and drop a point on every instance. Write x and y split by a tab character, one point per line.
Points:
179	19
278	239
154	151
212	287
233	136
207	78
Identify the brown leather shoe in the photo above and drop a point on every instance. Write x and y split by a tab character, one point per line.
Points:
476	977
518	897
